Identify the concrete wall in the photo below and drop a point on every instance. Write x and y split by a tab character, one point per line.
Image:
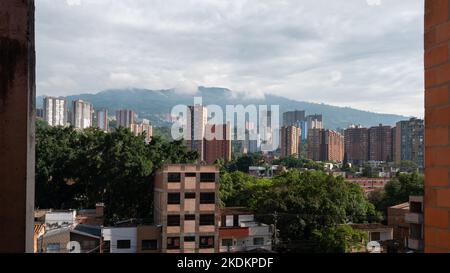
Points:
17	123
115	234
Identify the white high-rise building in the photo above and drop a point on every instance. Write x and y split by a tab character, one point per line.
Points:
55	111
82	114
102	120
197	118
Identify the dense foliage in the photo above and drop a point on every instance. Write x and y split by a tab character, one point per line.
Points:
77	169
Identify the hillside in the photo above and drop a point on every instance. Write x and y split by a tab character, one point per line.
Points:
156	105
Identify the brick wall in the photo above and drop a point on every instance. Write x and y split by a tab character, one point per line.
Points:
437	132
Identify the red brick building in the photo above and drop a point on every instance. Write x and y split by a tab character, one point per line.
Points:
381	143
218	147
357	144
437	126
325	145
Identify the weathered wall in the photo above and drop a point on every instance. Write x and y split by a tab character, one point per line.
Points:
17	116
437	131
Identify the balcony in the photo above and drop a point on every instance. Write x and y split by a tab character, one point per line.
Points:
415	244
414	218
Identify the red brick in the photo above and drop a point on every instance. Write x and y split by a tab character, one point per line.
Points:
437	96
442	198
435	250
437	75
430	198
438	156
436	13
438	116
438	238
437	136
430	38
436	218
437	55
437	177
443	33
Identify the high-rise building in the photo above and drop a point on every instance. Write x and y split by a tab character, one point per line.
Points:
437	128
143	128
293	118
82	114
102	120
409	141
217	143
381	143
185	206
315	122
290	141
250	144
39	113
55	111
125	117
197	117
357	144
325	145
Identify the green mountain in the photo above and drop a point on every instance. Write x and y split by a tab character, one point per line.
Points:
156	105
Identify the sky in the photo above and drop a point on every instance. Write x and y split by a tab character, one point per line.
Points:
365	54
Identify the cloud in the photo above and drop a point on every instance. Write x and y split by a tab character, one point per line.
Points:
360	53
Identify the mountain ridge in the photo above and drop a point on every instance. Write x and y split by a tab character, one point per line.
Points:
156	105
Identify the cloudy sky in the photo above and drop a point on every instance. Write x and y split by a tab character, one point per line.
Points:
365	54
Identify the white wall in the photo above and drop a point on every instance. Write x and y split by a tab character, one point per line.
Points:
114	234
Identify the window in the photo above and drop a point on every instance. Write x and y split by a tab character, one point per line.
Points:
173	243
53	248
227	242
149	245
190	239
207	242
173	199
375	236
189	217
207	220
173	220
174	177
191	175
189	195
207	177
107	247
208	198
123	244
258	241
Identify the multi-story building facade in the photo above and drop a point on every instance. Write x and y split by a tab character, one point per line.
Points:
144	128
292	118
102	120
409	144
325	145
197	118
290	141
217	143
125	117
315	122
55	111
415	220
82	112
396	217
357	144
185	205
381	143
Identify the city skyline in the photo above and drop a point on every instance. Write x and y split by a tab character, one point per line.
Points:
301	56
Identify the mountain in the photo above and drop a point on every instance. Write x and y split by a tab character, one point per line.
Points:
156	105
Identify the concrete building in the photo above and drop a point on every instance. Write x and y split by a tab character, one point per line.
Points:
375	232
325	145
396	219
185	206
82	114
102	120
149	239
68	240
357	144
58	219
381	143
290	141
55	111
119	239
197	118
144	128
293	118
415	220
239	232
437	127
217	143
409	144
315	122
125	117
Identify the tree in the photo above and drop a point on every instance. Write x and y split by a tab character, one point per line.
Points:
340	239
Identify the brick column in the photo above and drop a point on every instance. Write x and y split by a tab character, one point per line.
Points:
17	118
437	131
